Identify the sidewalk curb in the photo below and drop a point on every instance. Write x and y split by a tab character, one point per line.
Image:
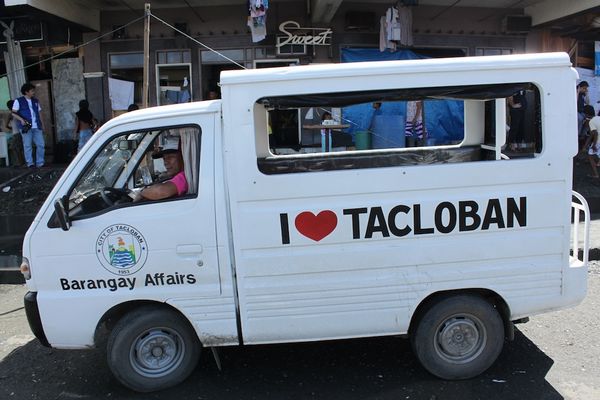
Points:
11	276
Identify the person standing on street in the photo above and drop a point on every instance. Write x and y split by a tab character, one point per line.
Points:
582	101
414	128
84	123
26	111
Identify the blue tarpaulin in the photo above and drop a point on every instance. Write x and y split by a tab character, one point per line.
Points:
444	119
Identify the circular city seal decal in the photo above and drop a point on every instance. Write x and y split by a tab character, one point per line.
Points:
121	249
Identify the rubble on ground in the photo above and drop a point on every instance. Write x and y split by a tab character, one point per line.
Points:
28	191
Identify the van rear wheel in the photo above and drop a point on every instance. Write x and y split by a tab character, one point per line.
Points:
152	349
458	337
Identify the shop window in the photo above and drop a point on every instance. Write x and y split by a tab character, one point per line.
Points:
384	128
128	67
492	51
260	52
173	83
289	48
209	57
127	60
270	63
173	56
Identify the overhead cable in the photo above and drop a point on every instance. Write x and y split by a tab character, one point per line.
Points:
197	41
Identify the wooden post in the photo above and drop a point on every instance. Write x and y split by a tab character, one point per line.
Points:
146	78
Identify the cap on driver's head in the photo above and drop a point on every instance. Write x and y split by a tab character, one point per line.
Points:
170	147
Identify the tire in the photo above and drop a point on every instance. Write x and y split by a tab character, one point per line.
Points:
458	337
152	349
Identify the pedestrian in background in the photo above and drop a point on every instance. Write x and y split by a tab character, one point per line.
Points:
582	101
27	112
414	128
592	145
517	104
84	124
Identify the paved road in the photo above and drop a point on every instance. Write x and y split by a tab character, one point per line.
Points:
554	356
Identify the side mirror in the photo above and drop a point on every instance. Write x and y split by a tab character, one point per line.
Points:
61	214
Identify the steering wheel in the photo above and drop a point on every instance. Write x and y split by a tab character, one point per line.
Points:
111	195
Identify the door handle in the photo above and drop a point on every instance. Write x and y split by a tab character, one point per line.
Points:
189	249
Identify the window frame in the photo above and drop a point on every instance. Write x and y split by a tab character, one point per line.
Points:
53	224
391	157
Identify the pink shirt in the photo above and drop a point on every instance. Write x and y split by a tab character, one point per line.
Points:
181	183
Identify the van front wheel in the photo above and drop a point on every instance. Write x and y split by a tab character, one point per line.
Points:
458	337
152	349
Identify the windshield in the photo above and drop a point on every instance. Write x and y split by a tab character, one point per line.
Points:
104	170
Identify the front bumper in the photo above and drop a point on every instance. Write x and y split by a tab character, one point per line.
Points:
33	317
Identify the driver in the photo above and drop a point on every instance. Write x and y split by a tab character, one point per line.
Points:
174	187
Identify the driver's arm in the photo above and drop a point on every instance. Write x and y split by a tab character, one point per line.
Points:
159	191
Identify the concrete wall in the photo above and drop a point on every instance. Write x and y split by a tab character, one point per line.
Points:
94	87
67	90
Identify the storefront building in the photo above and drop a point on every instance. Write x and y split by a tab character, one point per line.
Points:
437	31
182	66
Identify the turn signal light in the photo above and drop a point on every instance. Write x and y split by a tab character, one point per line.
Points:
25	270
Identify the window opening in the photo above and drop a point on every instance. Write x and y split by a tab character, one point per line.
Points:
128	67
132	161
348	130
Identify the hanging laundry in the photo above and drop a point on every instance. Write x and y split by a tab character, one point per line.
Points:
257	19
405	25
396	28
386	30
382	35
184	96
170	97
393	24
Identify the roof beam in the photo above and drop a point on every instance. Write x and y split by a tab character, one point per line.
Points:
551	10
322	11
68	10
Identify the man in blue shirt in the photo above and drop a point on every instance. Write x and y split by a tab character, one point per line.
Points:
26	111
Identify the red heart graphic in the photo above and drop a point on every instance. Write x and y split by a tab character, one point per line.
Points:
316	227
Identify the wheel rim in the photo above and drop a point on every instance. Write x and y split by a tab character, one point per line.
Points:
157	352
460	338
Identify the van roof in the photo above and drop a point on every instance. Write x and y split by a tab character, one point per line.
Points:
537	60
165	111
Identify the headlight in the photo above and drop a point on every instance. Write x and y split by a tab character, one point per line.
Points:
25	270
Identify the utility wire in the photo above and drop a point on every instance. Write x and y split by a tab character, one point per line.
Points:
194	11
197	41
76	47
121	27
175	29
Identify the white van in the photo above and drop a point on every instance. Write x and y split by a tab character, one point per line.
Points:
293	229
